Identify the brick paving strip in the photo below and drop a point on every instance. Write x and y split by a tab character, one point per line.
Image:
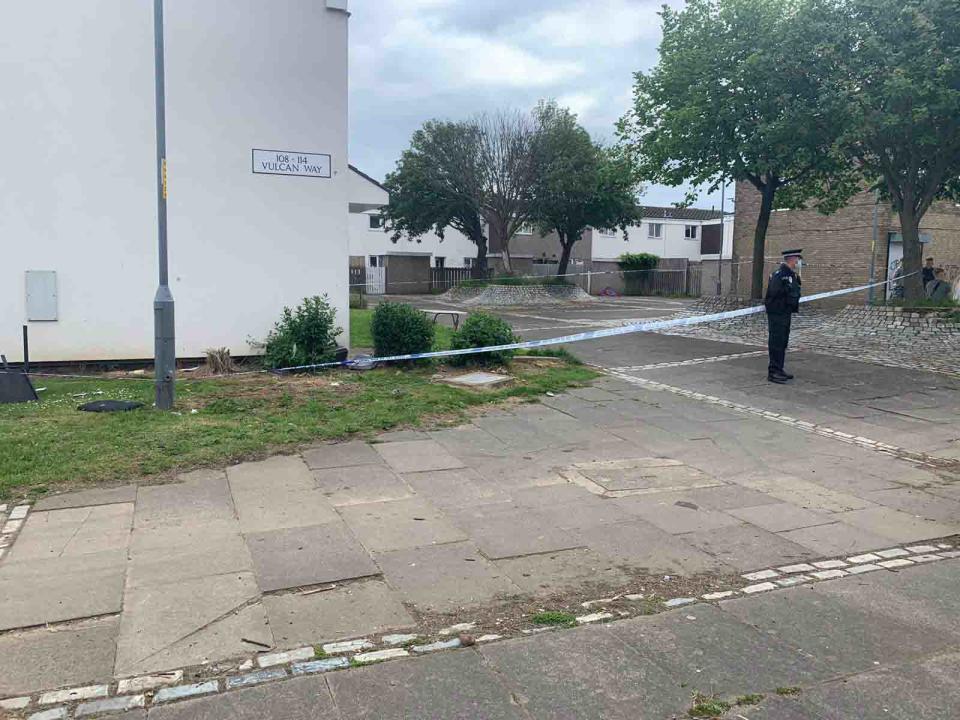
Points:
918	458
166	687
10	525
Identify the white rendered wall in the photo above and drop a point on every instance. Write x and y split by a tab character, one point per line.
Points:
671	244
78	194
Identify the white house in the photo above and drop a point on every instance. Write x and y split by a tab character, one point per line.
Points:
690	233
246	81
369	244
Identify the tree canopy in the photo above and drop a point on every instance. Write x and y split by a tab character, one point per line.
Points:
439	183
578	184
745	90
902	118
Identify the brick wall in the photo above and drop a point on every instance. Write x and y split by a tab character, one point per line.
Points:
837	247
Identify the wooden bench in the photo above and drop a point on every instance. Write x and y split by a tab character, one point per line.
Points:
455	315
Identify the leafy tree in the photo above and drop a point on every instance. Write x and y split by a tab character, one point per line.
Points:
745	90
904	109
439	183
578	184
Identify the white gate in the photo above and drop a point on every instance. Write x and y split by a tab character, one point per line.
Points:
376	280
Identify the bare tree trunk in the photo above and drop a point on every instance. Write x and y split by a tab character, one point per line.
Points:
499	242
910	230
760	241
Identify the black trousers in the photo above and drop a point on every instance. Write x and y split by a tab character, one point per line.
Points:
777	340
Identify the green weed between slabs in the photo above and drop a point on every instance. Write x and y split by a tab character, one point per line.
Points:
553	617
49	445
750	699
788	691
707	707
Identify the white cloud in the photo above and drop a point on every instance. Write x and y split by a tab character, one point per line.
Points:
580	102
600	24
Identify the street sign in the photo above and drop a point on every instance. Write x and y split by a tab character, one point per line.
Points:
290	162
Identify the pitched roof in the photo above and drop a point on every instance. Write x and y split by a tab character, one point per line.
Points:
367	177
672	213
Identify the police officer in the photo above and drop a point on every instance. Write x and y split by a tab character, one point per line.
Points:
782	300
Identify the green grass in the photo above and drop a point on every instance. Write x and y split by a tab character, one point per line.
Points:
749	699
49	445
707	707
788	691
361	336
554	617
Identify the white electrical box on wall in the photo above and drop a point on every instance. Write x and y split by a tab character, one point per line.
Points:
41	295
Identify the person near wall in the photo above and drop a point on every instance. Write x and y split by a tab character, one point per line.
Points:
938	289
781	302
928	272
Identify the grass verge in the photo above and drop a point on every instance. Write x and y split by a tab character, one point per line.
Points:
49	445
361	336
554	617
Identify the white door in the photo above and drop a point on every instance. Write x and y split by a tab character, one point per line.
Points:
376	280
894	263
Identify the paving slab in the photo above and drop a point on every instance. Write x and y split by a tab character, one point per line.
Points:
804	493
399	524
299	699
417	456
585	673
360	608
643	547
781	516
675	517
263	509
452	489
52	590
286	473
455	684
44	658
444	578
302	556
468	440
360	484
843	637
925	691
645	474
217	554
746	547
899	526
74	531
726	497
200	498
86	498
339	455
710	651
517	433
503	532
920	503
513	472
169	626
836	538
553	573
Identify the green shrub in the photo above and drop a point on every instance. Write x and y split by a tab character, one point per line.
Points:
306	335
400	329
481	329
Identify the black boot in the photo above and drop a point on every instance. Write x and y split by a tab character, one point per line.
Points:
776	378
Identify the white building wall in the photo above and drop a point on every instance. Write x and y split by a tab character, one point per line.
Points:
671	244
79	197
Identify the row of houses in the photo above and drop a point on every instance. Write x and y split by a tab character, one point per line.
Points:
688	234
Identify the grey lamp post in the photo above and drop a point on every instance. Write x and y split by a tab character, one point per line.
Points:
164	347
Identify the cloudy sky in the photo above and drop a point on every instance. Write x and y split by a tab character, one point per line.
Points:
412	60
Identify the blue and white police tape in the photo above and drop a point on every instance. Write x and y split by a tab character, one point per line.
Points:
651	326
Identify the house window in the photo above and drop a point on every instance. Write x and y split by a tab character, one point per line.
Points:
525	229
655	230
374	261
690	232
468	262
438	261
376	222
607	232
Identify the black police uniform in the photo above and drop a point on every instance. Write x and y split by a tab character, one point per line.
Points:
782	300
